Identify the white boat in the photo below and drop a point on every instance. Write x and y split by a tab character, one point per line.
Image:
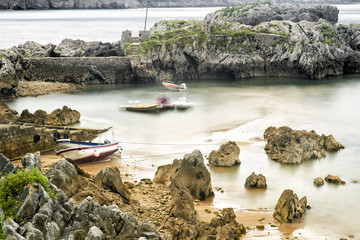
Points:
85	152
175	87
183	104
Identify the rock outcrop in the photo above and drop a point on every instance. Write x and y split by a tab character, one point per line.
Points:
42	217
255	181
190	173
292	146
334	179
225	45
80	48
289	207
226	156
58	117
319	181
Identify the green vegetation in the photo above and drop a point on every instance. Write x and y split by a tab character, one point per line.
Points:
127	48
327	31
12	185
178	32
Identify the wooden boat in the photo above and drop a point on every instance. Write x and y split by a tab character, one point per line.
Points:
143	108
86	152
175	87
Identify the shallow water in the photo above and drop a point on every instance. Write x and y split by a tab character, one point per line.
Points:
239	111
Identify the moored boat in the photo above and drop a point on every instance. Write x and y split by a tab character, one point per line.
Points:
143	107
175	87
86	152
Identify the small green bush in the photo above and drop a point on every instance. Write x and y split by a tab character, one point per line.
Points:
12	185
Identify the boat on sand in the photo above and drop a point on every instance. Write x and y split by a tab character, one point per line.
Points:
86	152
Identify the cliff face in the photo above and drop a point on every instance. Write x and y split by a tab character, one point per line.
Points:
116	4
232	43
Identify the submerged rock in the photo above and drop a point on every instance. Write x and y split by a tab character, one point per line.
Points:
289	146
226	156
319	181
255	181
289	207
334	179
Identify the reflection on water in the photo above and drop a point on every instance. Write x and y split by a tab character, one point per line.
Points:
238	111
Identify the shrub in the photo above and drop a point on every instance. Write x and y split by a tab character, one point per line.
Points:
12	185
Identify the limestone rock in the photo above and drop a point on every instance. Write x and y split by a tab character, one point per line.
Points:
6	166
80	48
109	178
58	117
226	156
31	160
319	181
226	225
334	179
289	207
182	206
331	145
7	78
190	173
255	181
289	146
64	176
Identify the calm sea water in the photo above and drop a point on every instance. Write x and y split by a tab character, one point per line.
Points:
231	110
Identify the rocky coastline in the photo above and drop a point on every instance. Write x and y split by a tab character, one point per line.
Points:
254	40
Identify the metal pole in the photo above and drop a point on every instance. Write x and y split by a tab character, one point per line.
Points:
147	6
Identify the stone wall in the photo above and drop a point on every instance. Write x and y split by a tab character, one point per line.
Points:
17	140
79	70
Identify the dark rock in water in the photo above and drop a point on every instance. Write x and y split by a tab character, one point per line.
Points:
319	181
289	207
58	117
80	48
255	181
190	173
226	156
334	179
109	178
292	146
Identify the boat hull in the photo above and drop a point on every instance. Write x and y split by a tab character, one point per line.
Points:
174	87
144	108
87	154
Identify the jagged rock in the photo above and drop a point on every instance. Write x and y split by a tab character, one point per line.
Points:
7	78
32	49
58	117
226	156
334	179
226	225
80	48
65	177
255	181
273	48
289	207
331	145
182	206
292	146
109	178
31	160
29	204
254	14
190	173
94	234
319	181
6	166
